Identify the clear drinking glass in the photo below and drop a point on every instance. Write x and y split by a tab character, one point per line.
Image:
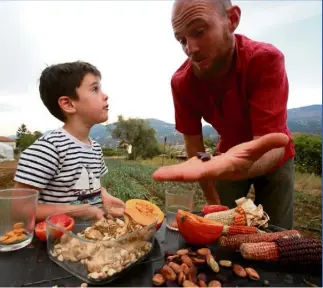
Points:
175	199
17	218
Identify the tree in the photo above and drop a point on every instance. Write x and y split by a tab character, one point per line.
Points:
25	141
22	130
139	134
25	138
211	144
37	134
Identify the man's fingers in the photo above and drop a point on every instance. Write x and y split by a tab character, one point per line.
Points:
187	172
168	173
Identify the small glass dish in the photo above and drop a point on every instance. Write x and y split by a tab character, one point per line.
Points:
86	249
18	215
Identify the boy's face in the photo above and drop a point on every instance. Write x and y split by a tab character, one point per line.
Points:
91	107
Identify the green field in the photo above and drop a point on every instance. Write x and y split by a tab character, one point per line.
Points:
129	179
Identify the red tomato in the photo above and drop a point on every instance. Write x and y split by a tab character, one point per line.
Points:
60	220
207	209
40	231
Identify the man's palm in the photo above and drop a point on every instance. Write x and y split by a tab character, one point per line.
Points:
235	164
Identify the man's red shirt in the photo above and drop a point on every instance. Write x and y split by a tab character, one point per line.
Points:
251	101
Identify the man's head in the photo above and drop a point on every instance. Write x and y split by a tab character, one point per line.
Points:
205	30
73	90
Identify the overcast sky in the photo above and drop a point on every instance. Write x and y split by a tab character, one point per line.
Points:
132	43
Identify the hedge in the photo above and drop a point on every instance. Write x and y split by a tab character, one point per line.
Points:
112	152
308	153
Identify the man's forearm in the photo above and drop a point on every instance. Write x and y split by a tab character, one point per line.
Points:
210	194
266	162
192	146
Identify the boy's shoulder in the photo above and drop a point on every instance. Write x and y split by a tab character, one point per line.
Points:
53	140
53	136
60	141
95	144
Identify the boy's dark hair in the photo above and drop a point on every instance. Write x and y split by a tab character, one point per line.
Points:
62	80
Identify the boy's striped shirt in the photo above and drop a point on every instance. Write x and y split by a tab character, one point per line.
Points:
66	169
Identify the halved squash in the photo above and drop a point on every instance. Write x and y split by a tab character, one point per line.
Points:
197	230
146	209
143	220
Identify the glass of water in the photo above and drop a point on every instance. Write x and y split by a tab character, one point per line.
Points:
17	218
175	199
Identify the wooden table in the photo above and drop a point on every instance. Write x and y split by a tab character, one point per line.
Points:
31	266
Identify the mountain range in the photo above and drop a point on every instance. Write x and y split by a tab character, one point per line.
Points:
306	119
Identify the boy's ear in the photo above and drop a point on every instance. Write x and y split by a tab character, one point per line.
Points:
66	104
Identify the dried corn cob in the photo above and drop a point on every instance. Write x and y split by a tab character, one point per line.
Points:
299	250
234	242
239	219
234	216
285	250
239	210
262	251
224	217
235	230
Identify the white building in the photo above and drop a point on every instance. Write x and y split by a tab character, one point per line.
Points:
6	153
8	141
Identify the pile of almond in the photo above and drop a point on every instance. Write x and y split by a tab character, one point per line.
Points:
181	269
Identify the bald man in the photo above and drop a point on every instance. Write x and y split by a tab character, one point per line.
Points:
240	87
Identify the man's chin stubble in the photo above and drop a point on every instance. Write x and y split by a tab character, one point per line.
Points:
212	71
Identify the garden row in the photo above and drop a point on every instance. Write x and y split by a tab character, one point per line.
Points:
128	180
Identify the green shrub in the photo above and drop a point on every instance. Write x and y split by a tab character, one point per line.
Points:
112	152
308	153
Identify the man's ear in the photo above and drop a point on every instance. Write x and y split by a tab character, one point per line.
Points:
66	104
234	15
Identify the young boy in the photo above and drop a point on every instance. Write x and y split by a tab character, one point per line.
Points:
66	166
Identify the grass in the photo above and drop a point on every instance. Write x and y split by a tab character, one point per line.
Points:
308	212
309	183
7	170
157	161
132	179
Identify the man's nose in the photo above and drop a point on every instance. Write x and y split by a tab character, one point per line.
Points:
191	47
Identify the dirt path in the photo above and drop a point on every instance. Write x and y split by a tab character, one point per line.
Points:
7	172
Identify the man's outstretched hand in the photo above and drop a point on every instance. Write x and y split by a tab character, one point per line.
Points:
235	164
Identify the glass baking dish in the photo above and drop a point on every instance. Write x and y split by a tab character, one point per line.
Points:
97	261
